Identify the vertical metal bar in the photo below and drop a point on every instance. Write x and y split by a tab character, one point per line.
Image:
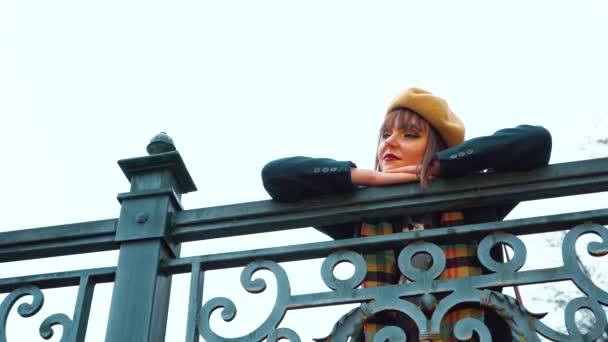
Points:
140	299
82	309
194	302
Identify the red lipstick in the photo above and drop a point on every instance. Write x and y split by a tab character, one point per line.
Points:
389	157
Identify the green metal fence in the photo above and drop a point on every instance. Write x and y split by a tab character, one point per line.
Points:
152	224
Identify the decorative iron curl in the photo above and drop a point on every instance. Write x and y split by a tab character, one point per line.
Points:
460	296
400	305
463	330
600	319
390	334
594	248
519	319
29	310
574	333
414	274
283	333
46	328
519	253
333	260
253	286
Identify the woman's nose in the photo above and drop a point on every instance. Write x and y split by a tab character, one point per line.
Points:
391	139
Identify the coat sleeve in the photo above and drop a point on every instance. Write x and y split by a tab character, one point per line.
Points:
513	149
294	178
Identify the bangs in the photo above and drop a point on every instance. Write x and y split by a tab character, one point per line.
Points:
406	119
403	118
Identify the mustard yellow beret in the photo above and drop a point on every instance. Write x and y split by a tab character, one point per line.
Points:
433	109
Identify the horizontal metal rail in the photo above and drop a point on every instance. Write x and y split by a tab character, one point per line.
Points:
60	232
525	226
556	180
75	238
152	223
59	279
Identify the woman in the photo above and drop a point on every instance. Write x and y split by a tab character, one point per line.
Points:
420	139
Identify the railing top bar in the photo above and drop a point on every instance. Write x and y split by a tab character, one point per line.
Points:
59	279
255	217
52	248
485	189
61	232
524	226
577	169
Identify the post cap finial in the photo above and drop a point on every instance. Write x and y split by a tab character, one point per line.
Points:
161	143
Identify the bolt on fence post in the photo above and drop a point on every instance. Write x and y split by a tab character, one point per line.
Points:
140	299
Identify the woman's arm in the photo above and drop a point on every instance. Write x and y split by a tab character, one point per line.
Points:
294	178
521	148
513	149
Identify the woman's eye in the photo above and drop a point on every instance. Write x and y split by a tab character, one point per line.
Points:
411	135
385	135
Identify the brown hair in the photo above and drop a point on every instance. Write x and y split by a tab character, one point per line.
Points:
406	119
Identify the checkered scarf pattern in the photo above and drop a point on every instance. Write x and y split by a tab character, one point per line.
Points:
461	261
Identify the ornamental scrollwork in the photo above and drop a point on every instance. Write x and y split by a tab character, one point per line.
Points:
30	309
257	285
390	334
283	333
333	260
425	299
509	266
594	248
463	330
414	274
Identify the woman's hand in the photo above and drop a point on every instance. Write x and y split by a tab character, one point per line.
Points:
377	178
400	175
414	169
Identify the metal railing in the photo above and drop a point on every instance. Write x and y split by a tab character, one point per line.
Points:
152	225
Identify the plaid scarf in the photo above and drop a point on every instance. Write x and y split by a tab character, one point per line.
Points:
461	261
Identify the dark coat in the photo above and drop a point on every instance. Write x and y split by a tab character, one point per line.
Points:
514	149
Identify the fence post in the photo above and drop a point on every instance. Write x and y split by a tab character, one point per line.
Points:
140	299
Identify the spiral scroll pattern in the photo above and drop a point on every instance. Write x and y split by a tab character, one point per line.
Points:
283	333
425	299
463	330
390	334
253	286
594	248
446	304
600	318
30	309
46	328
407	308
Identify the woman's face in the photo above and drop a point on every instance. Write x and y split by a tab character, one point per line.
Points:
401	147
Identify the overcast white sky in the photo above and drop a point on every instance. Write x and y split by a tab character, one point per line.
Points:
239	83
